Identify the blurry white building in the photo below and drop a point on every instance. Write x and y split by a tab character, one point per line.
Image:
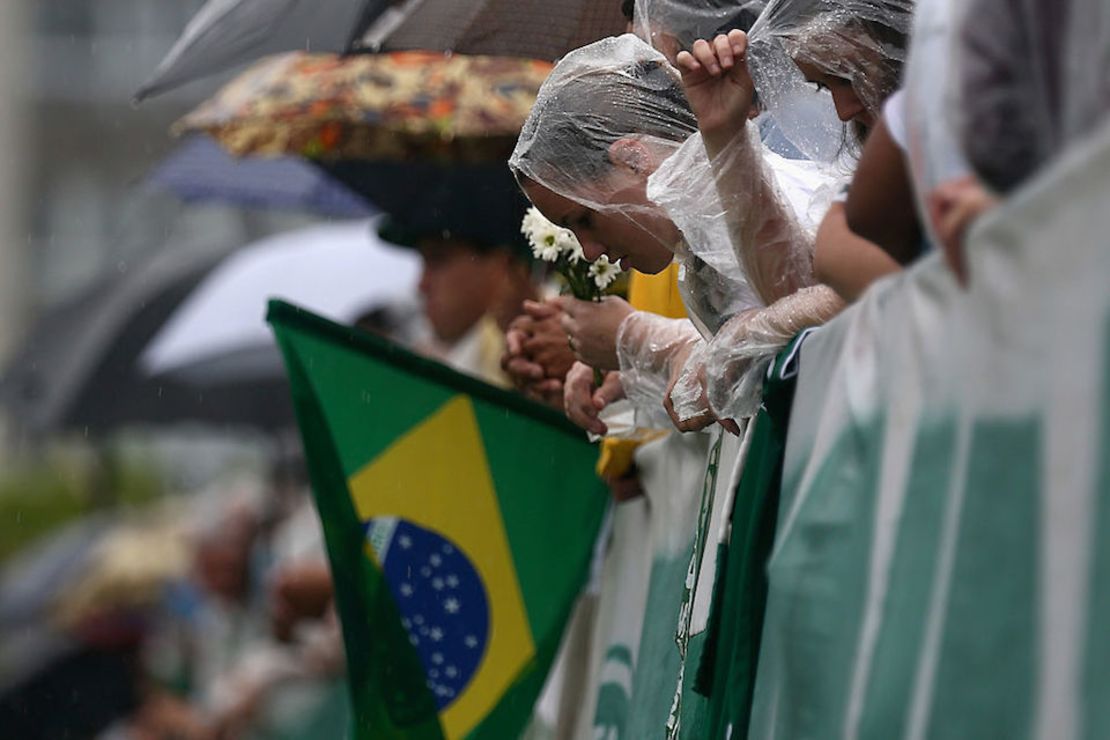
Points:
75	149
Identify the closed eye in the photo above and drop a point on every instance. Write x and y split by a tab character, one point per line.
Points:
581	221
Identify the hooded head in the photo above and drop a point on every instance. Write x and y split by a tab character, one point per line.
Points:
603	122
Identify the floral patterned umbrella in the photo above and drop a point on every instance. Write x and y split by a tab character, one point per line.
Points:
396	106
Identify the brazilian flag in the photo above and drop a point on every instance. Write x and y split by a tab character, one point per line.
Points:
460	521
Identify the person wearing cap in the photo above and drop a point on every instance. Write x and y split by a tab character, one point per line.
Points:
477	269
470	292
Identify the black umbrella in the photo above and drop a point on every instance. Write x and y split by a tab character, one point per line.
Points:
127	351
79	367
226	33
535	29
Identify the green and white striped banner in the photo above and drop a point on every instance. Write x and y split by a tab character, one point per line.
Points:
942	565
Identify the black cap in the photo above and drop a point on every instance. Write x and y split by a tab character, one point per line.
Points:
480	204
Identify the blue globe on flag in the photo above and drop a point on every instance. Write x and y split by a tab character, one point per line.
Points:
441	598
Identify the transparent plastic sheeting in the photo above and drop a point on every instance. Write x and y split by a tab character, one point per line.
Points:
621	90
942	561
673	25
610	92
861	41
1035	76
723	375
712	283
928	101
721	228
652	348
751	248
736	360
777	254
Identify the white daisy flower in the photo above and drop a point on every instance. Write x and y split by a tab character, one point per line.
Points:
574	249
604	272
548	241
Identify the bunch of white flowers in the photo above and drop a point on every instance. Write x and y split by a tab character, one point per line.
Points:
551	243
548	241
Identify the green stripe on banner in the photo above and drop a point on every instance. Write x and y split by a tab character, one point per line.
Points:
984	681
828	541
890	688
1096	675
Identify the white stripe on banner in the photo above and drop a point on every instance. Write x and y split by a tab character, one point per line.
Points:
938	600
898	448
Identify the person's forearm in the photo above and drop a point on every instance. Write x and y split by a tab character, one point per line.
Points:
734	359
769	242
845	262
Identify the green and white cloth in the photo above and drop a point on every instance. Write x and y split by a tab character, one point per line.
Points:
942	563
672	470
727	668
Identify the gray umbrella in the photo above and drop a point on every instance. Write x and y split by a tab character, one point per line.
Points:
227	33
181	337
200	170
536	29
94	338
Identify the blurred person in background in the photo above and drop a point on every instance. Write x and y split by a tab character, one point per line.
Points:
473	285
247	642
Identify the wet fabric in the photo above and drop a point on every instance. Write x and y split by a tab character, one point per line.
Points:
1035	75
940	566
726	673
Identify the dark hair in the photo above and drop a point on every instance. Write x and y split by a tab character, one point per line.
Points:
628	7
888	75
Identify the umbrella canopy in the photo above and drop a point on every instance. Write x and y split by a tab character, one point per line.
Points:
92	340
201	170
107	358
389	106
537	29
227	33
338	270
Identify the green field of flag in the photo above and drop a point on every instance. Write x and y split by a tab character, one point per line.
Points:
460	522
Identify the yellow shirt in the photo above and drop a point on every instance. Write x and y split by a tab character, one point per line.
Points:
655	294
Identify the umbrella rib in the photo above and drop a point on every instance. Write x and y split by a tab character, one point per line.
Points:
386	24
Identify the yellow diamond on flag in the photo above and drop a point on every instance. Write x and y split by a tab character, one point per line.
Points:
436	478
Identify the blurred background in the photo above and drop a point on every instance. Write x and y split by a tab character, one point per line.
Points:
135	560
77	212
162	571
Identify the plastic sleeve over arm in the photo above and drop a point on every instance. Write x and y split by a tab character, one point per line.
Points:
650	349
737	358
771	244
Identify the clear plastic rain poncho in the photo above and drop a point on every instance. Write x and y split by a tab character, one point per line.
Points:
1033	77
621	89
673	25
861	41
773	240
